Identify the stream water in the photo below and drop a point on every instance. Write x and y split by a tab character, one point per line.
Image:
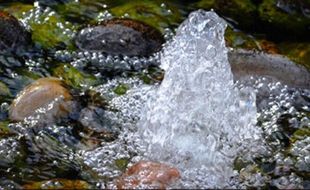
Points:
217	131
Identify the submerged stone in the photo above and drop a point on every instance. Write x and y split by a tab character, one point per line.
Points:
97	125
13	36
48	93
147	174
120	37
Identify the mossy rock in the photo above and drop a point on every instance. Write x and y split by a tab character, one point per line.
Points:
73	77
5	131
17	9
151	75
300	134
241	11
121	89
238	39
121	163
51	31
58	184
149	12
297	52
80	12
4	90
285	22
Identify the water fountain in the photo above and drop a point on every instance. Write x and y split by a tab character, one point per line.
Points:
197	119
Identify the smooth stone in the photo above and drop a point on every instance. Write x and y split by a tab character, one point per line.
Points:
12	34
245	64
147	174
120	37
40	94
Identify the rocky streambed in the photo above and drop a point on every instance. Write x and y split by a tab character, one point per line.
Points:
76	76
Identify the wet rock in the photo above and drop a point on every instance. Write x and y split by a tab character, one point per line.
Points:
290	17
120	37
238	39
4	90
298	52
41	94
146	174
49	29
58	184
250	63
98	125
13	37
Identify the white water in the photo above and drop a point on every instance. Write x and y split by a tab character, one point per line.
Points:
197	119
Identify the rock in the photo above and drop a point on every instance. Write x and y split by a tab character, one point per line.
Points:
120	37
298	52
13	37
98	126
4	90
146	174
49	29
250	63
289	17
40	94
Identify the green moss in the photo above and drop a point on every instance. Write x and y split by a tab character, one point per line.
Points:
149	12
73	77
5	131
122	163
4	90
49	31
121	89
17	9
151	75
300	134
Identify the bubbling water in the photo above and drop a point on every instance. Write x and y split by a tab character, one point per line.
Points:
197	120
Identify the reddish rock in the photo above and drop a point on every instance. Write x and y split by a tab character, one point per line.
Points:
146	174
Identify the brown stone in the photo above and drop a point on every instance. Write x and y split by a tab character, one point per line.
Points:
40	94
120	37
147	174
12	34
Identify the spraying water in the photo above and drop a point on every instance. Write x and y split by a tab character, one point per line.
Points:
197	119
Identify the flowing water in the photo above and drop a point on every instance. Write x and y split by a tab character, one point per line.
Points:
197	118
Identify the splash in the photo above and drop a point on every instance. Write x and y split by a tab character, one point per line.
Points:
197	119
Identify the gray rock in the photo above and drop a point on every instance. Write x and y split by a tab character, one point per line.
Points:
120	37
13	36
